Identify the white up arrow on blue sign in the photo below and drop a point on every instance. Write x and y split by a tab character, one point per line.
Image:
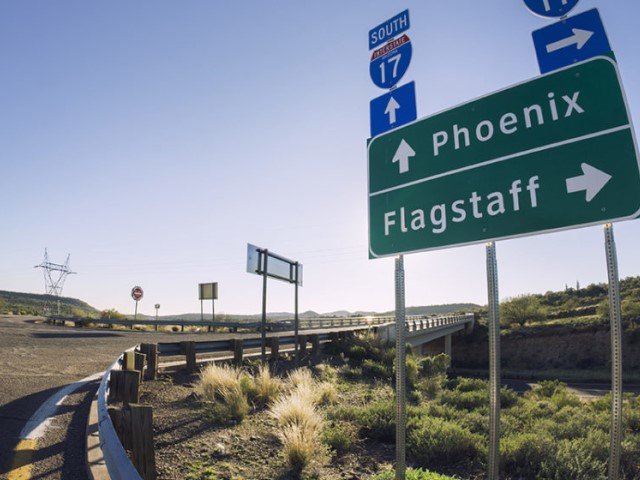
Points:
393	109
571	40
550	8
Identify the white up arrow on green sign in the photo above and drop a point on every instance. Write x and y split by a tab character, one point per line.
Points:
552	153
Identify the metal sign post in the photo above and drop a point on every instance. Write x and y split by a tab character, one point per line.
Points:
264	265
401	366
494	362
616	353
136	293
296	319
280	268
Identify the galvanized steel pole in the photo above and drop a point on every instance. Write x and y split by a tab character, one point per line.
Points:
296	319
494	362
616	353
263	344
401	397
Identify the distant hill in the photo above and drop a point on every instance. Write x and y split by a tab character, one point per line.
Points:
33	304
19	303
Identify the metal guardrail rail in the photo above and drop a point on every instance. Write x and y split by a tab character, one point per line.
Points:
115	457
277	325
415	323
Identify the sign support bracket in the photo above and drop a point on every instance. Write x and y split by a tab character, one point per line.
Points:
494	362
616	353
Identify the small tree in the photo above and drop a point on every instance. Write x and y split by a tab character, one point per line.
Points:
112	314
521	309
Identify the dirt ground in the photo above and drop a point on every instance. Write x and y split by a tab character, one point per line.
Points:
189	444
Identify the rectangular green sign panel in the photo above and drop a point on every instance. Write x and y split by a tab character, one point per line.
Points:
553	153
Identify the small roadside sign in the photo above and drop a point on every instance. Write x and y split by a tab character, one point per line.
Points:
137	293
393	109
550	8
389	29
391	62
571	40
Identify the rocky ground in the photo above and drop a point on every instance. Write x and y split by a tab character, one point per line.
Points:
191	445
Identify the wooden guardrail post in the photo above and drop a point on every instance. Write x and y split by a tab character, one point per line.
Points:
189	350
238	350
142	449
274	345
151	351
139	363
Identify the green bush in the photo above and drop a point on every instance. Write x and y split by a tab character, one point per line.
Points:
357	353
375	370
571	459
377	420
435	441
412	474
522	454
340	436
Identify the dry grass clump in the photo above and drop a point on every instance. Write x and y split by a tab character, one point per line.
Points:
221	385
216	379
299	421
266	387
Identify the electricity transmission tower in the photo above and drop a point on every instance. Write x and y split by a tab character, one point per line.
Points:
55	275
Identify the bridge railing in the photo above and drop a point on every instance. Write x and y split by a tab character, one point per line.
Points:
278	325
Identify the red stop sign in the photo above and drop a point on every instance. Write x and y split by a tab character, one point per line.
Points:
137	293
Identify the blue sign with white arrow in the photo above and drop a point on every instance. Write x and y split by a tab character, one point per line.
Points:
389	29
550	8
393	109
571	40
390	63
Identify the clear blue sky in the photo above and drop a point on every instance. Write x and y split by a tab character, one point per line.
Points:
152	140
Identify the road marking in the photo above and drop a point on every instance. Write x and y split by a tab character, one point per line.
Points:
36	427
21	467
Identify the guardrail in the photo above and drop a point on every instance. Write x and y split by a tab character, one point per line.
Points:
274	325
115	457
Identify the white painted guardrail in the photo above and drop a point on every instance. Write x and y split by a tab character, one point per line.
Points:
115	457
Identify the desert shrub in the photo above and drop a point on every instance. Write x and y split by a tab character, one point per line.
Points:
630	458
521	309
340	436
357	353
470	400
377	420
508	397
412	370
266	387
522	454
412	474
374	370
471	385
435	441
572	459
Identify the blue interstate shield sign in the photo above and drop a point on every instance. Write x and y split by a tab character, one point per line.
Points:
550	8
393	109
390	63
570	41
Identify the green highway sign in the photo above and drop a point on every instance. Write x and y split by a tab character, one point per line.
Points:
552	153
